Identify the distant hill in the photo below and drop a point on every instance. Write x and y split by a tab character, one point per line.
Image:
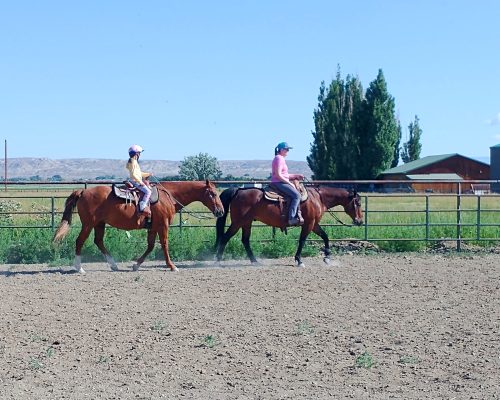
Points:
94	168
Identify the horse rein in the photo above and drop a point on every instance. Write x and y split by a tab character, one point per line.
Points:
165	190
317	188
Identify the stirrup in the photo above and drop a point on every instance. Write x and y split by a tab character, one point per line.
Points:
293	221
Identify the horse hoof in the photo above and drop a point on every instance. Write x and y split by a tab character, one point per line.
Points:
135	267
81	271
300	265
331	263
114	268
174	269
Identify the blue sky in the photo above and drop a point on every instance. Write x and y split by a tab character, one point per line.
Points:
87	79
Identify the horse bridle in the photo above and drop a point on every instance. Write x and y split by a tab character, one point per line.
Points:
164	189
356	205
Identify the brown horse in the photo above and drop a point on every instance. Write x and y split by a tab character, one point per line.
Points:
247	205
99	206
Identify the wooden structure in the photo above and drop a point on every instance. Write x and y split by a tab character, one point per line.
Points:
448	168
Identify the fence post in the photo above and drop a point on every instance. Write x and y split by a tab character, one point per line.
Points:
459	218
366	218
180	220
478	221
427	219
52	213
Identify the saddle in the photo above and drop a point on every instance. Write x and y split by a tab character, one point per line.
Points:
273	194
132	195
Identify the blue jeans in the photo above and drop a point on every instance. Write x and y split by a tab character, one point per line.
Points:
147	194
289	191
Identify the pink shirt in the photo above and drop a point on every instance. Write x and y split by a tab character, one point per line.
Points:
279	164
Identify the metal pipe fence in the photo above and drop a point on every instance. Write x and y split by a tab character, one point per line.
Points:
428	217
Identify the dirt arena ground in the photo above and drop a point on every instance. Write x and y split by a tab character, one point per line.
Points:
373	327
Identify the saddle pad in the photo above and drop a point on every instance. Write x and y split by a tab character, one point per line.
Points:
125	193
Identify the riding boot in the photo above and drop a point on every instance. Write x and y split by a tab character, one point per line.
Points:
293	221
144	217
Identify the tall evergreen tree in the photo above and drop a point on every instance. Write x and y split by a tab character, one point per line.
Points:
320	158
380	134
334	151
413	147
345	147
356	136
397	148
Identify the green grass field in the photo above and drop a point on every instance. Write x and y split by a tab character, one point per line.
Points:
394	222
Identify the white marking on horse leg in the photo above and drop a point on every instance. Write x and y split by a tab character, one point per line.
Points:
299	264
78	265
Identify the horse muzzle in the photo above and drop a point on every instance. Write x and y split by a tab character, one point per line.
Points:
357	222
219	212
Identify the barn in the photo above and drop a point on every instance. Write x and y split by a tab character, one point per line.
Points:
444	168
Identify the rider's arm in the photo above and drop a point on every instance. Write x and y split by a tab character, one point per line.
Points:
298	177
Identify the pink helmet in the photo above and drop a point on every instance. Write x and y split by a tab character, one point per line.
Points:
134	149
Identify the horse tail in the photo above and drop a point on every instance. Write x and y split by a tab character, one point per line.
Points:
69	206
226	197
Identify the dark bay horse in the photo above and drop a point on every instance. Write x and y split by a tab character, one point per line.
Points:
99	206
247	205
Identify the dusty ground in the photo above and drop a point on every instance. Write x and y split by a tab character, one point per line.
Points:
378	327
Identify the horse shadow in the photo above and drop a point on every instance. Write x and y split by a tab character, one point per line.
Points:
9	273
197	266
150	268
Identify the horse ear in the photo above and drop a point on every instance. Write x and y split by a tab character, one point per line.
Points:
207	183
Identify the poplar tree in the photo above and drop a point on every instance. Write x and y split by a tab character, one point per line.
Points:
334	151
356	136
397	148
413	147
345	146
320	160
379	137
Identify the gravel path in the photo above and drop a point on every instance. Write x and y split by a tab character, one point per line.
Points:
373	327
